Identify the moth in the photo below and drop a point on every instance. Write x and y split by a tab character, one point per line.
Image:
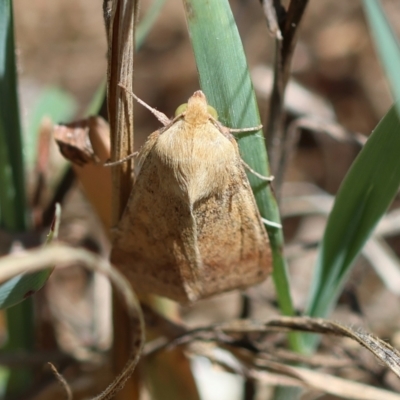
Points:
191	227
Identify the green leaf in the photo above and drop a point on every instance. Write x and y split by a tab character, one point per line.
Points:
365	194
17	289
225	79
21	287
97	100
54	103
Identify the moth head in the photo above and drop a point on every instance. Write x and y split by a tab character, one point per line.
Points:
196	111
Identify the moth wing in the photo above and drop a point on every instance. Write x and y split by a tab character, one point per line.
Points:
235	251
153	243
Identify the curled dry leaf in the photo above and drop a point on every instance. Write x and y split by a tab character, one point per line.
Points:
74	142
85	141
86	144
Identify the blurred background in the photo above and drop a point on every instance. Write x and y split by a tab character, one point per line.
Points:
64	45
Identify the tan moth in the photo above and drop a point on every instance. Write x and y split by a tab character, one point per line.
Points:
191	228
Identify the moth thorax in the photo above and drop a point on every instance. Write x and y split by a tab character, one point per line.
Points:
197	111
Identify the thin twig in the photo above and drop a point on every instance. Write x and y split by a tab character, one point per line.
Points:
61	380
289	24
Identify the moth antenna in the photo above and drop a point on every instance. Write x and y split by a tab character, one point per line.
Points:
270	223
158	114
262	177
239	130
119	162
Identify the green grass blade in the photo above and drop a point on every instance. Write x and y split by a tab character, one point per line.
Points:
363	198
20	323
8	217
225	79
386	45
97	100
13	211
13	215
21	317
147	22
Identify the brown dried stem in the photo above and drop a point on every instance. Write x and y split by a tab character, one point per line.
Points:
288	22
120	19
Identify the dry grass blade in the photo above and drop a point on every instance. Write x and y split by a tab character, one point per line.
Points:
220	333
314	360
272	20
326	383
282	374
60	255
62	381
382	350
120	17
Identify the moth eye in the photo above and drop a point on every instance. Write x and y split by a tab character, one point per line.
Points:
212	111
182	108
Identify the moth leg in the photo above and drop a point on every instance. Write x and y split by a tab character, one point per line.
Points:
119	162
270	223
158	114
234	130
251	129
262	177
